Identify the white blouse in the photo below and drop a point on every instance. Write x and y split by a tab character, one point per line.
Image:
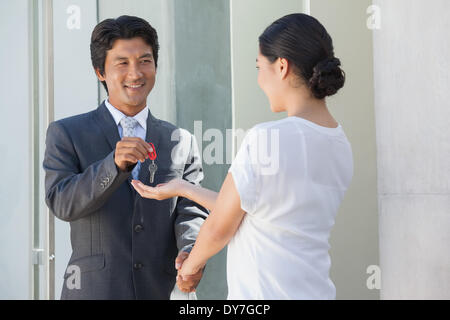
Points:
291	176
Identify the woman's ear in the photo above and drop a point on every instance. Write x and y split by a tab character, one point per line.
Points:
283	68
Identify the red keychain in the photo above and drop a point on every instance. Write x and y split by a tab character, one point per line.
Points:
152	167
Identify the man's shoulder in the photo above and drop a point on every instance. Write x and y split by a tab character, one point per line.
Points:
76	120
165	125
73	125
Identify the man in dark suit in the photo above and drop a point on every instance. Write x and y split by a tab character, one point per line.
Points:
124	246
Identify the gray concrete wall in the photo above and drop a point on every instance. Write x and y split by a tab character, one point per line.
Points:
411	61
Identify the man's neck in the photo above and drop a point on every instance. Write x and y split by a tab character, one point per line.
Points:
129	111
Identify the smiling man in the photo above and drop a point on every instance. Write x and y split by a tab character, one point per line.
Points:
124	246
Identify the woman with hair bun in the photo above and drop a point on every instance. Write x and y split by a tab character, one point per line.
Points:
276	219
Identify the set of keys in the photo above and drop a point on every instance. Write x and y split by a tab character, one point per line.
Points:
152	167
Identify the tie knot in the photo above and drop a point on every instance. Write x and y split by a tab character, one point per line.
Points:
128	125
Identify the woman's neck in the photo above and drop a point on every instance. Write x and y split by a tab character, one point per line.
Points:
311	109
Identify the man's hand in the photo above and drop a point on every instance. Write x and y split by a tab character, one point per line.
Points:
129	151
187	283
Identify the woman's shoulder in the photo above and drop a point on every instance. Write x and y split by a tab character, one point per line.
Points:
264	135
279	127
271	124
282	124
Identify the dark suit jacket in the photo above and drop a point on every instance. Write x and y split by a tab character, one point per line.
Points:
123	245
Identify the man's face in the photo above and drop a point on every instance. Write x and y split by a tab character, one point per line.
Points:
129	73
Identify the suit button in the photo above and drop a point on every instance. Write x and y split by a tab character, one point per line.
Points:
138	228
138	265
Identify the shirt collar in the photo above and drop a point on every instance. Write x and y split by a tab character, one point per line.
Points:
118	115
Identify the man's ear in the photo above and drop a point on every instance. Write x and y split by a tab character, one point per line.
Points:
99	75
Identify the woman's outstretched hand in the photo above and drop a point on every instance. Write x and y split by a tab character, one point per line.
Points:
162	191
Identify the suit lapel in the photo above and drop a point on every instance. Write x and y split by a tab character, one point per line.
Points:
152	136
106	122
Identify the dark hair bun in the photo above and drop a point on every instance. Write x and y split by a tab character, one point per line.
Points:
327	78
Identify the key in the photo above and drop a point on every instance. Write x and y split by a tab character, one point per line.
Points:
152	168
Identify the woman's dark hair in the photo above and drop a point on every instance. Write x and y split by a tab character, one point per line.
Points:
124	27
305	43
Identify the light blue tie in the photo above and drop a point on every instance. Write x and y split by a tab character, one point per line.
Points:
129	125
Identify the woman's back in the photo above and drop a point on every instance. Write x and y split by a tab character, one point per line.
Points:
291	195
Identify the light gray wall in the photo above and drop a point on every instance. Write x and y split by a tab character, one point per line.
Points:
354	239
15	143
411	56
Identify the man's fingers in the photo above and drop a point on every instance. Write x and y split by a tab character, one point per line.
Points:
185	287
141	146
192	277
137	147
125	153
187	290
134	141
128	158
189	281
180	258
139	153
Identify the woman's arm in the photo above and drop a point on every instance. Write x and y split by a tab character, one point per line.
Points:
217	230
177	187
204	197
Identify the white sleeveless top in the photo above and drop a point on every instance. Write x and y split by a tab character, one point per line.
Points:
291	196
